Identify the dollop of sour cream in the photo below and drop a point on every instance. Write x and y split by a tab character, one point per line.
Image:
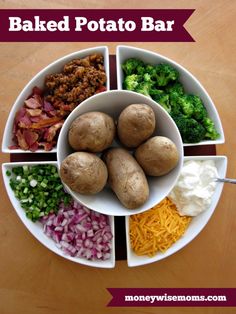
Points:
195	187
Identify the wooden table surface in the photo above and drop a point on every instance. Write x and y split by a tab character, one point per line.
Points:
35	280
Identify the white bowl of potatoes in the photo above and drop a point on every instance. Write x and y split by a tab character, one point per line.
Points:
119	153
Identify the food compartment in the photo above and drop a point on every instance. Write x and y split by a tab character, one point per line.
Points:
56	232
38	114
196	224
191	86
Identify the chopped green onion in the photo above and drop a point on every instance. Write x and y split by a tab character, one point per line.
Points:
8	173
38	188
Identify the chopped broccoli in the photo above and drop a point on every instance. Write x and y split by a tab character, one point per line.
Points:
183	103
200	111
143	88
177	87
191	131
151	70
211	132
191	105
131	82
147	78
161	98
131	65
141	69
160	82
175	107
165	73
186	104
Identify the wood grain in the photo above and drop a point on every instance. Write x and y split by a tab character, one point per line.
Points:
33	279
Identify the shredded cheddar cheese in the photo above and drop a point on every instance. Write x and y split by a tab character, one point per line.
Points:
157	229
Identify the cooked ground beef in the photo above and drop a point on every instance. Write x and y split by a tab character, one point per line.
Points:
80	79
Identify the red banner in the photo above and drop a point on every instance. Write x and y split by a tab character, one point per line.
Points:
173	297
43	25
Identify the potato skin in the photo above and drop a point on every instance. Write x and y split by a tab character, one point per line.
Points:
92	131
136	124
126	178
157	156
84	173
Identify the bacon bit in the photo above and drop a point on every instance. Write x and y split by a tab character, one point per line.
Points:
25	122
37	91
30	137
51	132
36	121
47	146
33	103
20	114
34	147
14	147
45	123
34	112
21	140
49	109
47	106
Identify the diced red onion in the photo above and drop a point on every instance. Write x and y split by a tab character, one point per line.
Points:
79	231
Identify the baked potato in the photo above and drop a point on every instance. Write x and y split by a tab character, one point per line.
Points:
157	156
126	178
84	173
92	131
136	124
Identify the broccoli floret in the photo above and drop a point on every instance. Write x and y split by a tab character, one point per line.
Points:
161	98
177	87
131	82
200	111
191	131
174	102
190	105
165	73
147	78
144	88
141	69
211	132
151	70
182	104
186	104
131	65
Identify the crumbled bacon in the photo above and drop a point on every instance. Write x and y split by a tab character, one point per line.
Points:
52	131
21	140
47	106
47	146
34	112
31	137
33	102
45	123
35	122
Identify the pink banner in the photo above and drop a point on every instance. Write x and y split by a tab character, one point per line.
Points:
31	25
173	297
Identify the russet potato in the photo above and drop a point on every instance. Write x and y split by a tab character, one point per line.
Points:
136	124
84	173
92	131
126	178
157	156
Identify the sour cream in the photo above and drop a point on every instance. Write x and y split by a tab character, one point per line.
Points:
195	187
